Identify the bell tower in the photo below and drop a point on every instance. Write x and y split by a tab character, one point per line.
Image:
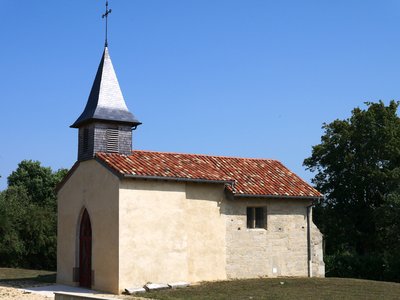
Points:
106	124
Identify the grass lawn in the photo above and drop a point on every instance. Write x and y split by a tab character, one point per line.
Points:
9	274
292	288
252	289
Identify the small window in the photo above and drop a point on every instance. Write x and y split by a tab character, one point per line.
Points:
255	217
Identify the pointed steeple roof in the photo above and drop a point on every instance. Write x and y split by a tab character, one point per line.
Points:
106	102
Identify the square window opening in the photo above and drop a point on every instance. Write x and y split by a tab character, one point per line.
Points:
255	217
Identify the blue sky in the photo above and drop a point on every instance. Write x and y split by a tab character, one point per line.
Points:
250	78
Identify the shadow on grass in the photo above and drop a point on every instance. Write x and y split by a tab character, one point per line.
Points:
24	277
50	278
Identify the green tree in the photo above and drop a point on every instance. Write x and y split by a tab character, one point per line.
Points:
38	181
357	167
13	213
388	228
28	217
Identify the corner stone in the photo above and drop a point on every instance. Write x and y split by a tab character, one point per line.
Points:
135	290
177	285
156	286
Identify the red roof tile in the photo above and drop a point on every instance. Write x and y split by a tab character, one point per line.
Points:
262	177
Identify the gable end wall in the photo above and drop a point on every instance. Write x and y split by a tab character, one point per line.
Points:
93	187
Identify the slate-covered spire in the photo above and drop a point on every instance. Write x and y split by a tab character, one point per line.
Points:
106	102
106	123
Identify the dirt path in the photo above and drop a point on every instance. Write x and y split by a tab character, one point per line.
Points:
11	290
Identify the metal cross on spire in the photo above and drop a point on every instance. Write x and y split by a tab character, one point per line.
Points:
105	15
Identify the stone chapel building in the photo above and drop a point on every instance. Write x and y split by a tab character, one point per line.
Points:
127	217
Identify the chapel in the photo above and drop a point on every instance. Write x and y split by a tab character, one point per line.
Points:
127	217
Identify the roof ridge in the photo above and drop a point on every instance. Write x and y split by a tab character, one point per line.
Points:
208	155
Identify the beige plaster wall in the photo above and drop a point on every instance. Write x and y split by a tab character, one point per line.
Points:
93	187
278	250
170	231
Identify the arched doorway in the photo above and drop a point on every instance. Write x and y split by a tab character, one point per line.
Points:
85	251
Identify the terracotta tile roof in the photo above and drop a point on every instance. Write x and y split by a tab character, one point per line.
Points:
252	177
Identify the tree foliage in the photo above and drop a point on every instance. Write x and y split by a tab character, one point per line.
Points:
28	217
357	167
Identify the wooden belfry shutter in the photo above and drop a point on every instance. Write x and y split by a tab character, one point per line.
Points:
85	146
112	140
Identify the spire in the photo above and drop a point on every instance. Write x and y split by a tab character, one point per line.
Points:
106	102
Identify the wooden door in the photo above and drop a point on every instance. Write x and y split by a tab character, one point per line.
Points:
85	251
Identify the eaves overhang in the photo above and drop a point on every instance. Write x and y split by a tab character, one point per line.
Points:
278	196
196	180
133	123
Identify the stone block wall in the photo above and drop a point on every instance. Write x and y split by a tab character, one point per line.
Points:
317	255
279	249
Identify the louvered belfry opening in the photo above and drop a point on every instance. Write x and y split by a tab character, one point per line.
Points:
112	137
85	142
106	124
